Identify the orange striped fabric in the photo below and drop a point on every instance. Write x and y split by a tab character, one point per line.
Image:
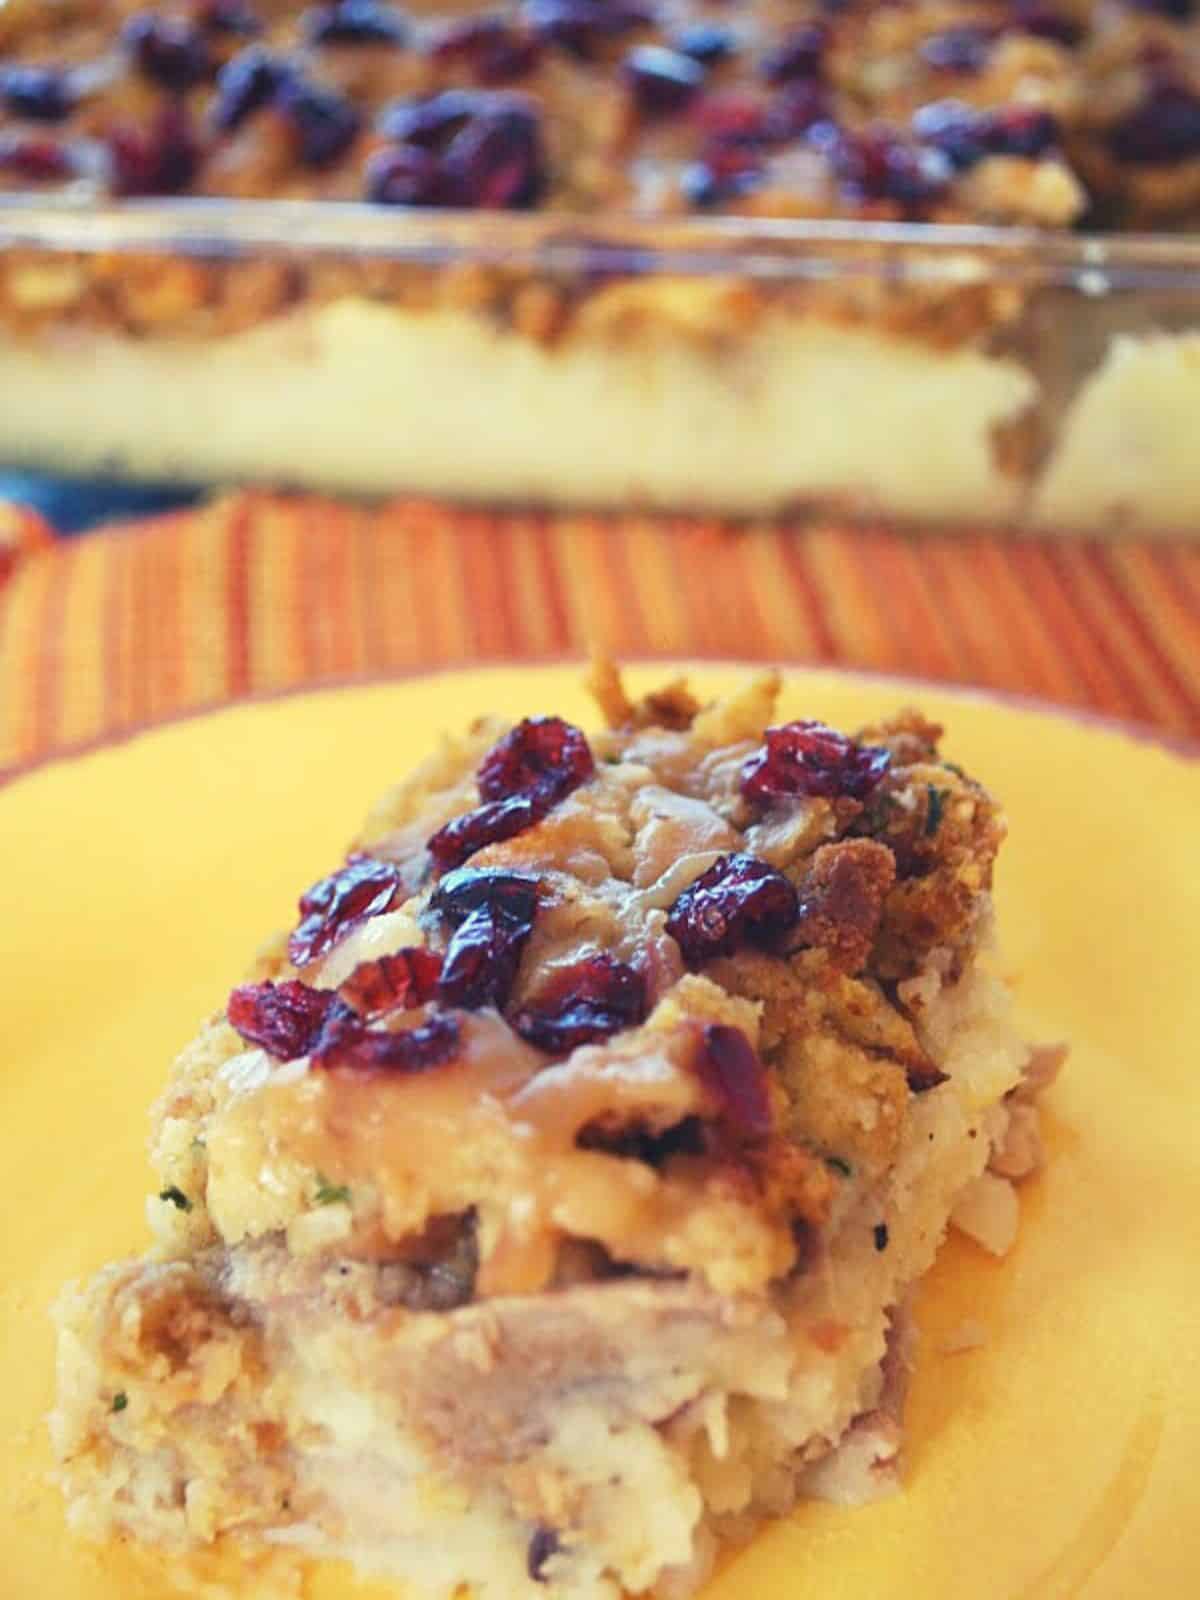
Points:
257	593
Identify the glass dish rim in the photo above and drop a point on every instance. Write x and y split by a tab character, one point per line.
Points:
763	250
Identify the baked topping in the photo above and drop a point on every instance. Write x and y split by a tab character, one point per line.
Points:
600	105
519	1039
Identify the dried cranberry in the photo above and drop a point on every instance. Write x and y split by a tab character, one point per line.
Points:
875	164
542	755
496	162
811	758
959	131
729	1067
580	26
290	1020
460	893
169	52
801	55
393	983
661	81
706	42
797	108
356	22
491	824
731	118
227	16
529	771
361	889
246	84
350	1044
36	160
738	899
722	176
39	94
431	122
284	1019
324	122
405	175
594	998
543	1543
965	49
1163	129
1043	22
161	158
489	45
492	914
1025	131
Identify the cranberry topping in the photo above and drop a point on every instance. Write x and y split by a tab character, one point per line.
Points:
594	998
876	164
430	122
490	46
36	161
1164	128
661	81
801	55
1024	131
325	123
813	759
729	1067
463	836
234	17
543	1543
284	1019
459	893
350	1044
492	914
159	159
1043	22
168	52
706	42
542	755
393	983
39	94
796	108
964	49
361	889
246	84
965	135
356	22
732	118
290	1020
722	176
537	764
405	175
581	26
739	899
496	162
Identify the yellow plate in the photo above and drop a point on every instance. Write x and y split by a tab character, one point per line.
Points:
1061	1458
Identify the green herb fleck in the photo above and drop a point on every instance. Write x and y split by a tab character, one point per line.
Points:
177	1198
330	1194
612	761
953	767
836	1164
878	810
119	1401
937	802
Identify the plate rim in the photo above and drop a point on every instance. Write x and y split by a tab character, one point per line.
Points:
1182	747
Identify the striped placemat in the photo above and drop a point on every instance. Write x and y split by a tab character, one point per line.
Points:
256	593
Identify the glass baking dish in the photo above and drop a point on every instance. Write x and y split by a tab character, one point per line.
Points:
954	377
